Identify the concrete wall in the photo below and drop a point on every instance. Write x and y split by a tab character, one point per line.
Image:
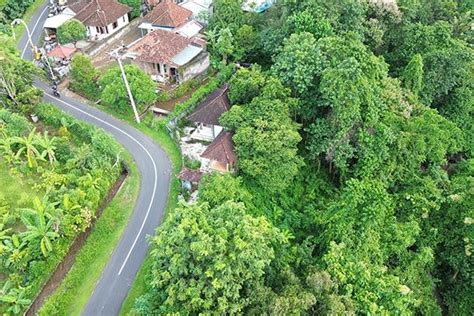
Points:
121	22
195	67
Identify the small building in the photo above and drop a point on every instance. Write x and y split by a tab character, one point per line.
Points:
220	153
206	115
62	52
190	178
166	15
52	23
102	18
169	57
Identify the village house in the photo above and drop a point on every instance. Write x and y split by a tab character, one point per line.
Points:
102	18
169	56
207	113
166	15
220	155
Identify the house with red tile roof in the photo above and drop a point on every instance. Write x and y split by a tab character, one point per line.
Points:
220	153
102	18
169	56
166	15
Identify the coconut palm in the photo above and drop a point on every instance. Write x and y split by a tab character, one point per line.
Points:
28	148
48	144
41	225
15	298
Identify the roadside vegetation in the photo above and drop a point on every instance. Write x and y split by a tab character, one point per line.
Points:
353	130
55	173
13	9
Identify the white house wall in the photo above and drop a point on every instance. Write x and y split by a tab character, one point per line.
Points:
121	22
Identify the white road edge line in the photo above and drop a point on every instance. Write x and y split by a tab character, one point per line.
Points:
33	31
123	132
149	156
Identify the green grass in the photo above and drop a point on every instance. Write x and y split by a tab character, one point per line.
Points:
73	293
17	188
20	29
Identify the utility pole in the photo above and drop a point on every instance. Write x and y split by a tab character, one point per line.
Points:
33	46
116	54
18	21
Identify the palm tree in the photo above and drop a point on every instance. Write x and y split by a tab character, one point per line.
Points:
40	225
14	297
49	146
28	148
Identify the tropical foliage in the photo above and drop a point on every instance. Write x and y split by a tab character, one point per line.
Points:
354	137
73	174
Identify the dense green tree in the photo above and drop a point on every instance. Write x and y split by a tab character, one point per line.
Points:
16	77
413	74
455	224
219	265
216	189
114	93
266	138
135	5
71	32
84	76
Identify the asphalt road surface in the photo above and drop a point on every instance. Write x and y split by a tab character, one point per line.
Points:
155	169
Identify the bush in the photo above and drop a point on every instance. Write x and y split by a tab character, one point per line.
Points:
71	32
14	124
84	77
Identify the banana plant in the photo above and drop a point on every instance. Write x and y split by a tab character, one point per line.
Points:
40	225
14	297
48	145
15	252
28	148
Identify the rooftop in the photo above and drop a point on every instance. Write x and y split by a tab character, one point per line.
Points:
193	176
159	46
168	14
98	12
221	149
62	51
211	108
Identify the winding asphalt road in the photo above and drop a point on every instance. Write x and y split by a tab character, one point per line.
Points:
155	169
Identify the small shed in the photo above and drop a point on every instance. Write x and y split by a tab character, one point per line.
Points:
190	178
220	153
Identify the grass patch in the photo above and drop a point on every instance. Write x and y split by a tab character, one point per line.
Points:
17	189
20	29
75	290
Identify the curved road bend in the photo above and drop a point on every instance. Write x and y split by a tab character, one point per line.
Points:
155	169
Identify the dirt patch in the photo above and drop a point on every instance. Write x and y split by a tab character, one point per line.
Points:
63	268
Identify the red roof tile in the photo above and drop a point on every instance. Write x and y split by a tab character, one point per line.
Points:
221	149
159	46
98	12
61	51
167	13
193	176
